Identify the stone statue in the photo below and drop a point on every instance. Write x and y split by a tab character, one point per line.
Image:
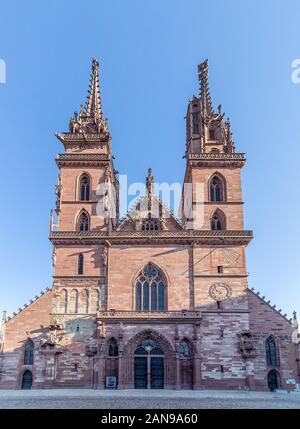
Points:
246	346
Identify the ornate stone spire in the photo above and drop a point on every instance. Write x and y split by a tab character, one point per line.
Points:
207	130
93	102
91	118
206	103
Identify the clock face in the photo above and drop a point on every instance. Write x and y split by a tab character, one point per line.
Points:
220	291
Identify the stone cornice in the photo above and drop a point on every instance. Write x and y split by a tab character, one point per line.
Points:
234	160
221	275
183	316
87	159
153	237
66	138
144	316
219	203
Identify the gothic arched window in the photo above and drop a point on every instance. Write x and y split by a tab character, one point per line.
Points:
113	350
83	222
216	188
84	188
218	222
185	350
150	290
28	352
271	352
80	263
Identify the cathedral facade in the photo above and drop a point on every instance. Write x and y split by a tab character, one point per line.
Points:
150	300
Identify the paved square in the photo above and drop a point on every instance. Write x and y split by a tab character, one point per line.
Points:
144	399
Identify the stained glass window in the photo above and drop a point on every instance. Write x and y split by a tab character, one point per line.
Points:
28	354
150	290
113	350
185	349
271	352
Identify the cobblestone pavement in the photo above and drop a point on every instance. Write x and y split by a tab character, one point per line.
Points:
145	399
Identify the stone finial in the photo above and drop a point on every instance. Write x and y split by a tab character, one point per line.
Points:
150	187
295	321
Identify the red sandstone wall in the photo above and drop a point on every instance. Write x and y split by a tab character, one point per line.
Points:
70	206
233	207
264	321
30	323
125	262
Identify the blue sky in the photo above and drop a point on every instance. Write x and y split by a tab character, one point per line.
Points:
149	51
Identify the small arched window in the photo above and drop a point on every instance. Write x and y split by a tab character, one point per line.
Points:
150	290
150	225
271	352
83	222
28	352
84	188
113	350
218	221
216	189
80	263
185	350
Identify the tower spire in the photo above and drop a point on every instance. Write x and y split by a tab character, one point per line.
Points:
205	98
91	118
93	102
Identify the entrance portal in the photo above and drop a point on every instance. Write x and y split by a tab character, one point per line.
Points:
149	366
26	380
272	381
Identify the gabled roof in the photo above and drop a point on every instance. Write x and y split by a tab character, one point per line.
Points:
140	212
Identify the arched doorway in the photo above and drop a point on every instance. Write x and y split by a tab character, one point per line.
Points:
149	365
26	380
272	380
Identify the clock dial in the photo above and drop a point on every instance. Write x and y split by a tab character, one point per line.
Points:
220	291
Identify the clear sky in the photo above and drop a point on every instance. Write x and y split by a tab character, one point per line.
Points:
149	51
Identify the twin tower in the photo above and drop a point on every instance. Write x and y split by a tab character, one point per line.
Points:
149	301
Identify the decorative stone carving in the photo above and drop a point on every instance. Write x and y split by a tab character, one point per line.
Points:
58	190
246	345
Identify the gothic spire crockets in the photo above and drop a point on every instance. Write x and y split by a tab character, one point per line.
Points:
207	130
93	102
91	118
205	98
